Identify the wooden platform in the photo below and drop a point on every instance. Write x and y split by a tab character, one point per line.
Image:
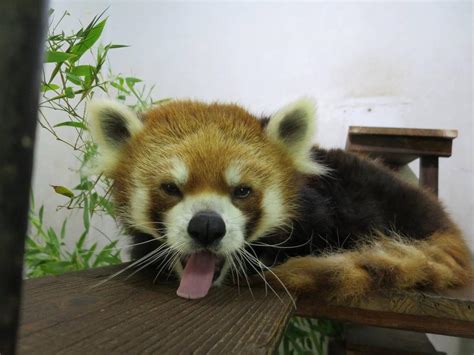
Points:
64	315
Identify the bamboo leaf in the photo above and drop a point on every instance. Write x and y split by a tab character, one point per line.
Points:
115	46
120	87
74	79
131	81
57	57
85	215
69	92
89	40
82	70
71	124
47	87
61	190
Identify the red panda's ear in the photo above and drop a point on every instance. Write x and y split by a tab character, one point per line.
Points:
293	127
111	125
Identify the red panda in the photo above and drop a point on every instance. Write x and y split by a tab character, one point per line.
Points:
209	191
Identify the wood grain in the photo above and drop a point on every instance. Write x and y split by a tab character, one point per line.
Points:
451	313
398	131
63	315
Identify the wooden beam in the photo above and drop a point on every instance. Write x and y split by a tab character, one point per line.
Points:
21	48
450	313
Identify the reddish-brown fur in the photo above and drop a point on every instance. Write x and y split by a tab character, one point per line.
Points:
209	137
439	262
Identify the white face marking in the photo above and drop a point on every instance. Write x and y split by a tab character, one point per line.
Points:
139	207
177	220
179	171
233	174
274	212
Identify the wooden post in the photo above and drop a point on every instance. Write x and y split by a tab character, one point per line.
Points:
21	47
429	173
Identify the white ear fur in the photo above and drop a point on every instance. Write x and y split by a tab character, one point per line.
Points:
111	124
294	127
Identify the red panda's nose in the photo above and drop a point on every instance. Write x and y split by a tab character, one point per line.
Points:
206	227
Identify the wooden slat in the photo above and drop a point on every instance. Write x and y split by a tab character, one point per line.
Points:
451	313
398	131
63	315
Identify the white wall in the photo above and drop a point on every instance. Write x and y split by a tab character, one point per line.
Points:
410	63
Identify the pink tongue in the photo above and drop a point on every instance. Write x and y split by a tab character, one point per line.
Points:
197	276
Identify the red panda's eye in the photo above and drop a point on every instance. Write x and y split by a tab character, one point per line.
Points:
242	191
171	189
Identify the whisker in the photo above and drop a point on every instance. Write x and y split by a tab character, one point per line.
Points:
150	260
269	270
244	273
135	263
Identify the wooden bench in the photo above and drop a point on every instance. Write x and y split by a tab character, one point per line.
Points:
63	314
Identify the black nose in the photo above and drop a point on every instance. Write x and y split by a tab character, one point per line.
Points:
206	227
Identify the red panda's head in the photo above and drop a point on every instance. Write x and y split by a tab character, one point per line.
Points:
205	179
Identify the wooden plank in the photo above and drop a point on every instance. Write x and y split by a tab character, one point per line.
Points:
397	131
21	47
417	146
63	315
451	313
400	146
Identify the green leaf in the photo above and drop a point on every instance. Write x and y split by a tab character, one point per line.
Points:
82	70
47	87
56	267
89	40
89	254
85	215
61	190
120	88
131	81
57	57
81	241
85	185
107	206
74	79
63	230
53	242
40	214
71	124
115	46
69	92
